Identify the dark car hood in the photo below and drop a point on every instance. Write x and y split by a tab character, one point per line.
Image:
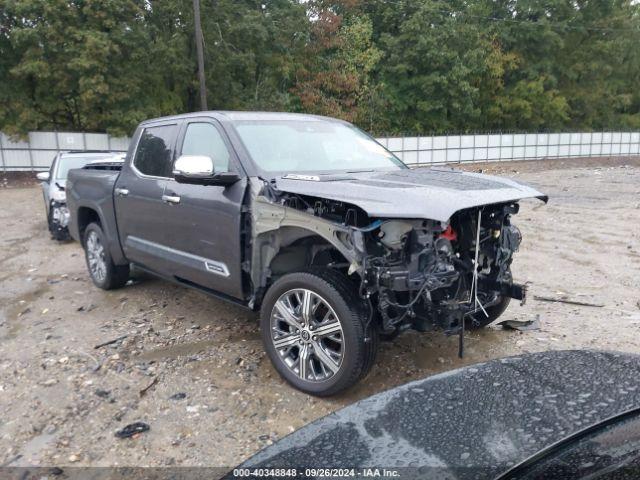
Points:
474	422
434	193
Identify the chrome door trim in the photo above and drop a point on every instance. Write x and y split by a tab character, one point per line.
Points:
194	261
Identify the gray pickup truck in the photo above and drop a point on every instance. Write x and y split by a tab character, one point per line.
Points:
310	221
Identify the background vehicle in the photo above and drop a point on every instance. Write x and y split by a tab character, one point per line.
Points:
541	415
309	220
54	182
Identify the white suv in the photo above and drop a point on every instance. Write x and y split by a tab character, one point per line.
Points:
54	183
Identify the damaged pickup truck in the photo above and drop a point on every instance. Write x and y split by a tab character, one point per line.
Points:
310	221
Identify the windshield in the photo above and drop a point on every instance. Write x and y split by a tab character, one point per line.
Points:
312	145
67	163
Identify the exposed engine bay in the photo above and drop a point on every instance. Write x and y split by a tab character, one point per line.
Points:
421	274
425	273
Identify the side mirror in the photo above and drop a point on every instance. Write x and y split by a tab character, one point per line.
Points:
43	176
199	170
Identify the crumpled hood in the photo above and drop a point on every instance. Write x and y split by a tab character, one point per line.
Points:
435	193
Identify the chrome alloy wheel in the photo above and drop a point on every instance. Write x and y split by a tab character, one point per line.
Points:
95	255
307	334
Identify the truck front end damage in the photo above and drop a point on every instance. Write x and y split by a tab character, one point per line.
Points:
426	274
414	273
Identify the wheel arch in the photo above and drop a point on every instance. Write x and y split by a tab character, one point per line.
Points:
87	214
294	248
307	250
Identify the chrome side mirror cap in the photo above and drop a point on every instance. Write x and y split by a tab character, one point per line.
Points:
193	167
200	170
43	176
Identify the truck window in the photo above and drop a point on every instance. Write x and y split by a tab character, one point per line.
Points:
154	155
205	139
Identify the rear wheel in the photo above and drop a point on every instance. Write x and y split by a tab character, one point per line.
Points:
316	331
104	273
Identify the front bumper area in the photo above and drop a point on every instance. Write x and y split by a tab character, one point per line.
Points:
59	220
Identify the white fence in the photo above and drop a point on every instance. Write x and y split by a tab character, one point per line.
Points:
494	147
38	151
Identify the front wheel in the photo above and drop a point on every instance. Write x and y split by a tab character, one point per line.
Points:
316	331
480	320
104	273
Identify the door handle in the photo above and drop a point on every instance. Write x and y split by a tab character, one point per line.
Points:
170	199
122	192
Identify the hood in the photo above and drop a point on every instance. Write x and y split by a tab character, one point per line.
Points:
435	193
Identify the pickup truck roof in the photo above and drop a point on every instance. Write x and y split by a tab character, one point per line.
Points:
243	116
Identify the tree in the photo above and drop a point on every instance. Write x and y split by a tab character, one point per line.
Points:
339	58
252	49
387	65
73	65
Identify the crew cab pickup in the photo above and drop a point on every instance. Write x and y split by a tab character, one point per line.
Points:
310	221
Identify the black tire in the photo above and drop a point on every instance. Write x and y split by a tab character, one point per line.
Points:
113	276
371	346
479	320
372	337
359	339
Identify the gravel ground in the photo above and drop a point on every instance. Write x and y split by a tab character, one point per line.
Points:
212	398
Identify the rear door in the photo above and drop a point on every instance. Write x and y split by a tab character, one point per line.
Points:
140	210
204	221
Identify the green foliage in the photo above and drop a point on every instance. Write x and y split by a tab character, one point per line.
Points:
70	65
252	50
387	65
335	77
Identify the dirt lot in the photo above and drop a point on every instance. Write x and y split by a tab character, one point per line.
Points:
61	399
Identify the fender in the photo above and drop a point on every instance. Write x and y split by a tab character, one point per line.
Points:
275	226
100	201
